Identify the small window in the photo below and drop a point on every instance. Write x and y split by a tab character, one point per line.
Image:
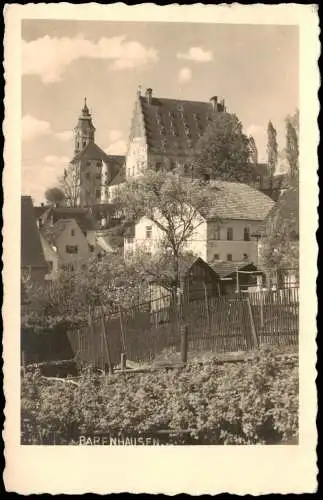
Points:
158	166
84	144
78	145
88	163
229	234
99	163
98	194
229	257
50	266
85	233
246	234
149	231
216	256
72	232
71	249
206	178
245	256
91	248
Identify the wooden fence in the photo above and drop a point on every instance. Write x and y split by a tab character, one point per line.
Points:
219	324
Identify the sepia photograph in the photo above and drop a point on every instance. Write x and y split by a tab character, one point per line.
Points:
160	233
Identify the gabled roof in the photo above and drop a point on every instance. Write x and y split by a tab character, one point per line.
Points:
175	123
228	269
31	248
188	262
234	200
52	233
81	216
93	152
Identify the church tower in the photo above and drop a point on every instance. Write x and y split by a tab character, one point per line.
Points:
84	130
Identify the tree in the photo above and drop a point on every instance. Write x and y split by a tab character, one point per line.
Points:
272	148
280	245
292	149
111	283
174	204
54	195
253	152
70	184
223	151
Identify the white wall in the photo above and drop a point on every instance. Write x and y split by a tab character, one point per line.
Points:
237	247
203	241
83	254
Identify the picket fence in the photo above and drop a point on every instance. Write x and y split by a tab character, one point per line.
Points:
217	324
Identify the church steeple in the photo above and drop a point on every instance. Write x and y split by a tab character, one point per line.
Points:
84	130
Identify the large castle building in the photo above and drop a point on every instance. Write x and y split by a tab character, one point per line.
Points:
92	168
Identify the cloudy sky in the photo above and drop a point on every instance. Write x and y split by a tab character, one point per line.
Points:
254	68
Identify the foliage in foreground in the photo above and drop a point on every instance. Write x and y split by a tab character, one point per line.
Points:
254	402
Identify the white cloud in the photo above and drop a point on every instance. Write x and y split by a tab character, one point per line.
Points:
114	135
64	136
197	54
117	148
184	75
55	161
48	57
42	174
32	127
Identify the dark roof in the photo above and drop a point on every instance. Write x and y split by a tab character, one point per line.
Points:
39	211
234	200
227	269
119	178
31	248
188	262
178	123
82	216
94	152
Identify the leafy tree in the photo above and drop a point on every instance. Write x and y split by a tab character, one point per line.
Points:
272	148
223	151
280	245
54	195
111	283
173	204
253	152
70	184
292	148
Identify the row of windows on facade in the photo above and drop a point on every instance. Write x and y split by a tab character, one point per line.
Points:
216	256
139	167
246	233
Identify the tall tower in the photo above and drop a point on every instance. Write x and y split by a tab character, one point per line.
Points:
84	130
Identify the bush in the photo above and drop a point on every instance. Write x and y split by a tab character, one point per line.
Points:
254	402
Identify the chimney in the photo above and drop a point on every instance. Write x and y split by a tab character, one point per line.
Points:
149	95
214	102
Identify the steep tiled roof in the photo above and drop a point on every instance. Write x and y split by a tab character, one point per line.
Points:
174	125
94	152
31	249
82	216
234	200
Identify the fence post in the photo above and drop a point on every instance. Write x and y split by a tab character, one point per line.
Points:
23	363
184	343
123	361
110	367
252	324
